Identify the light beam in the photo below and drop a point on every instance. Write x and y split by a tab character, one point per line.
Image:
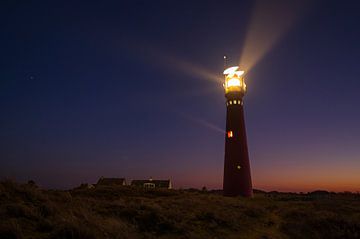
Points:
269	22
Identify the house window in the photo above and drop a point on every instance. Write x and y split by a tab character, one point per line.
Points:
149	185
230	134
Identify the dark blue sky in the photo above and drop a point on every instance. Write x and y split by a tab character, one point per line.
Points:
113	88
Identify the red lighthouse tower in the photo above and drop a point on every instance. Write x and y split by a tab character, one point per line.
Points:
237	177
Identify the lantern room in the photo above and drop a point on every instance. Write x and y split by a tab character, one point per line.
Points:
234	80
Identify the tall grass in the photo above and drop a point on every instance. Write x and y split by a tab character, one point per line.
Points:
127	212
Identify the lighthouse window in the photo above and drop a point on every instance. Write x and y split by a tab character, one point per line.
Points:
238	167
239	102
230	102
230	134
234	102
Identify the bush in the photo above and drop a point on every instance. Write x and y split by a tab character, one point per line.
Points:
19	210
320	225
73	231
10	230
153	221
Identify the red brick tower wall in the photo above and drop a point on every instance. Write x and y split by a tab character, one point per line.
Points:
237	176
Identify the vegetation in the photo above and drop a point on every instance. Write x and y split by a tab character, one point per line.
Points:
126	212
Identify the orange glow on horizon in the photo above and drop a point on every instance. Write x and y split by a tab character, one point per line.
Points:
307	178
284	179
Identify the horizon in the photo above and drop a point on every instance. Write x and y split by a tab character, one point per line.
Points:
274	188
134	90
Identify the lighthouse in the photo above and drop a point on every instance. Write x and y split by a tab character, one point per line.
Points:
237	176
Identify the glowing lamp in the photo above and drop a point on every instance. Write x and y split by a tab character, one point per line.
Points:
234	80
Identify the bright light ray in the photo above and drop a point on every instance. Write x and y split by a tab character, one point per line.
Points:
160	58
269	22
201	122
192	69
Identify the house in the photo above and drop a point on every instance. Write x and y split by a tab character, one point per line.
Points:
111	181
85	186
152	183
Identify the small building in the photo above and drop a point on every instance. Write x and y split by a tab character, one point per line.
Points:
85	186
150	183
111	181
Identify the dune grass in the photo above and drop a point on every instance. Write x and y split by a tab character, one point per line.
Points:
126	212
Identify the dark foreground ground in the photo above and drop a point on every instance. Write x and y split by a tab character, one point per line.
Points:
125	212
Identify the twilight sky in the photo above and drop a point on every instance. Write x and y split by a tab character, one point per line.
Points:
134	89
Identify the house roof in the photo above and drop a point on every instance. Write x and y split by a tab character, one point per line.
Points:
111	181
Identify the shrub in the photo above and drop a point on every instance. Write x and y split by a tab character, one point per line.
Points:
153	221
73	231
19	210
10	230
